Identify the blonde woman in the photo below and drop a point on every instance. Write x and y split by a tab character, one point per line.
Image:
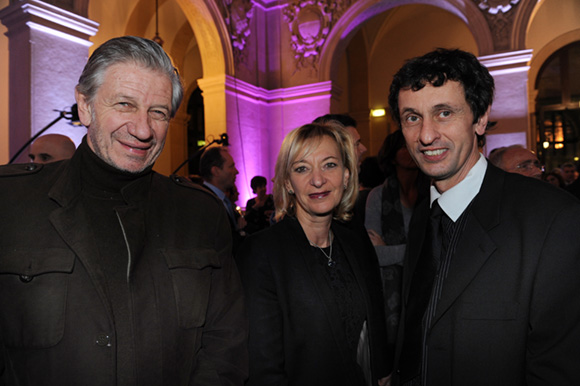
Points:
312	286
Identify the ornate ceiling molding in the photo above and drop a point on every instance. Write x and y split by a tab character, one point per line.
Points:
493	7
310	22
500	16
237	14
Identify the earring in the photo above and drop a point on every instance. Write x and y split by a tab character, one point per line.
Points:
345	187
290	191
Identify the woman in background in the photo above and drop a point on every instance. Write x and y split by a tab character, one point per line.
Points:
260	208
388	212
554	178
312	286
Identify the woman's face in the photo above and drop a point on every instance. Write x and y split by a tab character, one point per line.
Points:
318	180
261	191
553	180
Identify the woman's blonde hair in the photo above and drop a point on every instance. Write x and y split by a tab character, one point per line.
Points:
304	140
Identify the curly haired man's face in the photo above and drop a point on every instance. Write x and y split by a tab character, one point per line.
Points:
438	126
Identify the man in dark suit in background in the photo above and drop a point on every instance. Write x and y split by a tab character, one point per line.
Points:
493	300
218	170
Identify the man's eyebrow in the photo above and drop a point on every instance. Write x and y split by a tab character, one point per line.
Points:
445	106
160	107
409	110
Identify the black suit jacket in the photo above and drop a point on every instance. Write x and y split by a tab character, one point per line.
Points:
296	333
509	313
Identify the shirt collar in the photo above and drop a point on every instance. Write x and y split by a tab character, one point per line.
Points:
455	200
216	190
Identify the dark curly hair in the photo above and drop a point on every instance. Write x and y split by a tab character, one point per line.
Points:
436	68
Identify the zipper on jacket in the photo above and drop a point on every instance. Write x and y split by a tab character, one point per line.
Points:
127	244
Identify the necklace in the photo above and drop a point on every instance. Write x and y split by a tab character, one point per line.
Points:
331	263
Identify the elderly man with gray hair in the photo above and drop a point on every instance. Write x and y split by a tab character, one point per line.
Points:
110	273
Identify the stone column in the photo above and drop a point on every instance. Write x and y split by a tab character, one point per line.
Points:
48	50
510	105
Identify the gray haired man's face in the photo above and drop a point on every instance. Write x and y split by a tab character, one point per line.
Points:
128	119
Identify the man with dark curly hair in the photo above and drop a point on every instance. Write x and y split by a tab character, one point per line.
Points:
490	286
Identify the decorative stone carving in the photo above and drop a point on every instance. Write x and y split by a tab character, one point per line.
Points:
500	20
237	14
310	22
494	6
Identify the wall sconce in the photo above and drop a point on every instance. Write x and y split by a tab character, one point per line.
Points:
375	113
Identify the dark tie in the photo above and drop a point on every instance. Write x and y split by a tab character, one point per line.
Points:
436	229
418	303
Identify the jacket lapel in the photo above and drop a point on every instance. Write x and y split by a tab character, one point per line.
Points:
352	257
475	245
415	241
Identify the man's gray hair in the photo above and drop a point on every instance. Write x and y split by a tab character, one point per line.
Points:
129	49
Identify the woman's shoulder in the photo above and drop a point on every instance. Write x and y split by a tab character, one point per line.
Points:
376	193
274	235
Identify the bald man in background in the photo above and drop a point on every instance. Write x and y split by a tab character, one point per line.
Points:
517	159
51	148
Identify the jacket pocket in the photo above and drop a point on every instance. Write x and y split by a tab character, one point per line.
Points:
33	289
191	272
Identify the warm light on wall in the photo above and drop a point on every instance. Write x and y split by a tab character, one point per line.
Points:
378	113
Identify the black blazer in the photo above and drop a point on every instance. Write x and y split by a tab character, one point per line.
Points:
509	313
296	334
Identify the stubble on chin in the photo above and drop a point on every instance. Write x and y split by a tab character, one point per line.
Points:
140	164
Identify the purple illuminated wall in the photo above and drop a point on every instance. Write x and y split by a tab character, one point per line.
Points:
259	119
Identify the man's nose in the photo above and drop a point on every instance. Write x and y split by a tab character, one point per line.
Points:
428	132
141	126
363	148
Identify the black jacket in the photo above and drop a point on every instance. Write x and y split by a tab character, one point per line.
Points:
509	311
56	323
296	334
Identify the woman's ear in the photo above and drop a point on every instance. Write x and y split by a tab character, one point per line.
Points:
346	177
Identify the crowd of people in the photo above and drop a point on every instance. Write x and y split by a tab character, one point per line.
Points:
428	264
